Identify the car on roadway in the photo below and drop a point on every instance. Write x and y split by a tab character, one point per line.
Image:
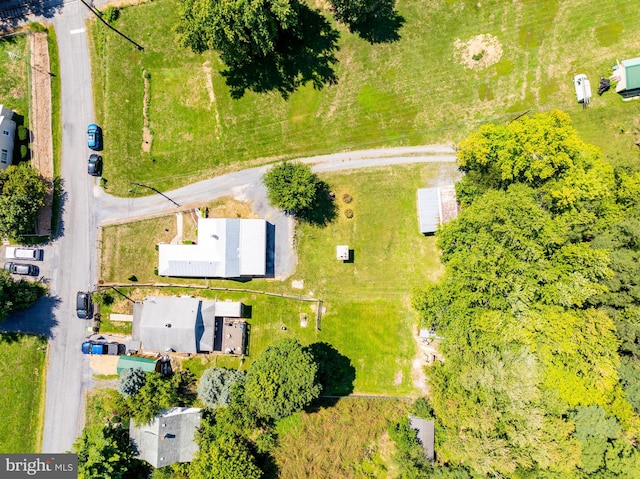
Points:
94	137
101	347
22	268
94	165
83	305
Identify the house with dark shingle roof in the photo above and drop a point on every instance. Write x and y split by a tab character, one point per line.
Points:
187	324
168	438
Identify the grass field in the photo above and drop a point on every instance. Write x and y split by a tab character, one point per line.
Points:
22	370
345	440
413	91
368	317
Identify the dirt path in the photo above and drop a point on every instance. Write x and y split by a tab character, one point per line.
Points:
41	138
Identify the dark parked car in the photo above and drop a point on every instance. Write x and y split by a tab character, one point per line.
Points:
94	137
21	268
95	165
83	305
100	347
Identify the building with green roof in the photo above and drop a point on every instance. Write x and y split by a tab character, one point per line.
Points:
148	365
628	77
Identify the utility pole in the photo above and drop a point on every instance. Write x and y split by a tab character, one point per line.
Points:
156	191
97	14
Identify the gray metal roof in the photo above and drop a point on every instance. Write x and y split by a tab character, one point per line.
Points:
182	324
169	438
426	434
429	209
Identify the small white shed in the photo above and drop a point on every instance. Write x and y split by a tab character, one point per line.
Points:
429	210
342	252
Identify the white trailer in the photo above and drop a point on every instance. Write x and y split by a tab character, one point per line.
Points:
583	88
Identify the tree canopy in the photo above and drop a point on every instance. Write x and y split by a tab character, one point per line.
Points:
530	386
282	380
216	384
265	44
104	452
22	193
157	393
291	186
131	380
17	295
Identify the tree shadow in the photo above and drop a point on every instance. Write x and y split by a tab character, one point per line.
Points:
38	319
324	210
336	374
303	54
382	26
14	13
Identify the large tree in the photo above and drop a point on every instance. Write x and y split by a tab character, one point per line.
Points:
104	452
282	380
158	392
226	457
265	44
17	295
292	187
22	193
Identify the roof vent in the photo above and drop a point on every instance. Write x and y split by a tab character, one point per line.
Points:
167	325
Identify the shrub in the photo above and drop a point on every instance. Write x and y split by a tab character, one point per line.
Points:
23	151
37	27
22	133
348	213
478	56
347	198
111	13
132	278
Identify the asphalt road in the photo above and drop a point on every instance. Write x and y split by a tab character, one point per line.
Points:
73	255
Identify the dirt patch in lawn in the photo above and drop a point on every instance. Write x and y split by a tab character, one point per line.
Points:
228	207
147	136
479	51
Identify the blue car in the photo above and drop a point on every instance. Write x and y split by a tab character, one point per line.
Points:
93	137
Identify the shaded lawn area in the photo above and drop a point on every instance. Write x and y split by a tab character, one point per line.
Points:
22	378
346	440
368	315
413	91
14	93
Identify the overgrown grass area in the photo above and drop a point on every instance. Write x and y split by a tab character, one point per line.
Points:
22	376
416	90
56	125
366	312
345	440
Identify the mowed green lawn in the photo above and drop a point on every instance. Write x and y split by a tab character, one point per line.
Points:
22	370
416	90
14	67
368	316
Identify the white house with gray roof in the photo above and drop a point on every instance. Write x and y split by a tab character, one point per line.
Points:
226	248
189	325
7	137
168	438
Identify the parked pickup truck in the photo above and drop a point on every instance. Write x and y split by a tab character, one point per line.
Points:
22	252
100	347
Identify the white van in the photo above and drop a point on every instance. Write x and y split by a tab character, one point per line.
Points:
29	254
